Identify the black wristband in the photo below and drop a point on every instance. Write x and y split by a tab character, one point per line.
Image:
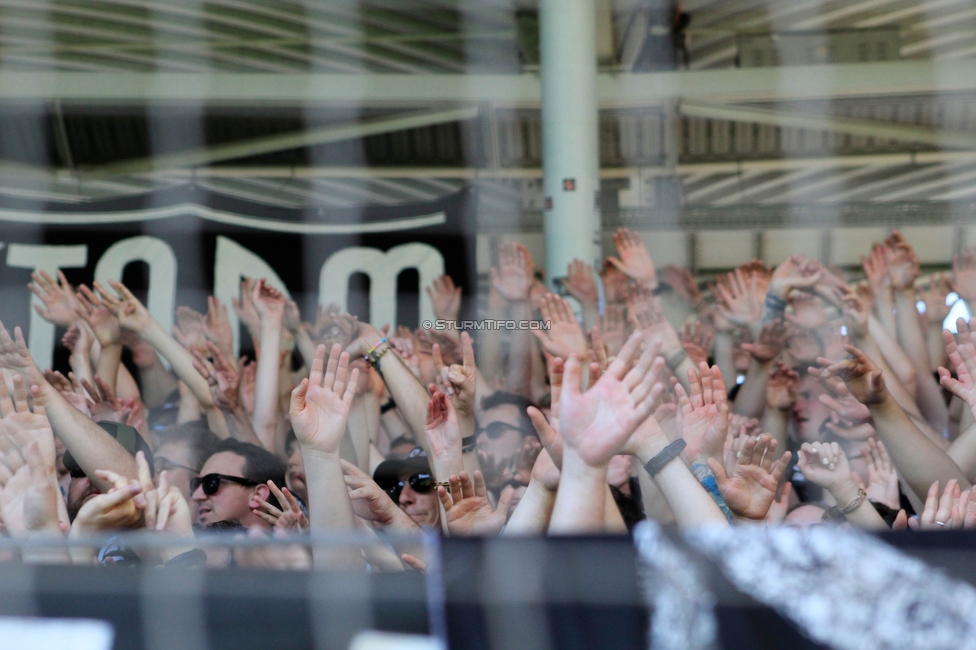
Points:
467	444
665	456
388	406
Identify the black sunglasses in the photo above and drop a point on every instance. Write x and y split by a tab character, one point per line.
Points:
497	429
211	483
421	483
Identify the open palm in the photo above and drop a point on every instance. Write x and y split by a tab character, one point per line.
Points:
320	404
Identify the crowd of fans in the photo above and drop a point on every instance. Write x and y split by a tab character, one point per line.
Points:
794	395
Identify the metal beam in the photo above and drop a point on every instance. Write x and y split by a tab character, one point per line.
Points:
613	89
834	123
527	173
282	142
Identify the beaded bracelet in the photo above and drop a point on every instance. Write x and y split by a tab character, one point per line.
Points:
372	356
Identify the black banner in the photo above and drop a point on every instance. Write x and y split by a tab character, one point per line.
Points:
177	246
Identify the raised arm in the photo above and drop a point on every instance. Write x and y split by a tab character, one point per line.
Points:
134	316
319	412
406	390
825	464
92	447
918	459
270	305
902	271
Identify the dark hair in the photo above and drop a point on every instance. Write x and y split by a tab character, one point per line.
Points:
403	440
501	398
260	465
290	439
195	435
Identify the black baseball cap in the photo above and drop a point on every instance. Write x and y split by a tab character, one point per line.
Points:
387	474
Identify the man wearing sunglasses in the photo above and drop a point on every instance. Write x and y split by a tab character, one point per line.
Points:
411	485
507	443
181	454
229	481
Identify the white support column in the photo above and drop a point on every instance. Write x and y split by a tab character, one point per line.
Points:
570	145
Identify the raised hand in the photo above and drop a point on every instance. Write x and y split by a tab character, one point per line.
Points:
696	342
217	329
855	313
15	479
751	489
564	336
599	422
841	402
962	356
862	377
634	262
442	428
934	295
121	507
332	325
320	404
513	276
172	514
645	314
286	518
825	464
244	308
964	274
882	484
613	328
742	295
832	284
791	275
370	502
704	414
249	373
615	283
292	319
953	510
23	426
580	284
41	494
268	301
100	317
445	297
103	404
60	303
784	385
461	380
14	355
771	341
876	270
191	330
223	379
469	513
683	283
901	260
132	314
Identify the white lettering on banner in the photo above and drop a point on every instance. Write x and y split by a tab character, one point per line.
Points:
44	258
232	262
382	269
160	258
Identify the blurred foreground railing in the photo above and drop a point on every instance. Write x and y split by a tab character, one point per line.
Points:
745	588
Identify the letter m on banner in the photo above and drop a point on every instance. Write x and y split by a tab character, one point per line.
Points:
382	269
